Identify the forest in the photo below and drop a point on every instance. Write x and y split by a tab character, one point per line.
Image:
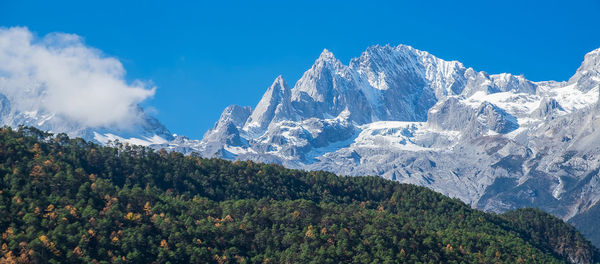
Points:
66	200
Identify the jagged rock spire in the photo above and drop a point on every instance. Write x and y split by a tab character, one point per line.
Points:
274	103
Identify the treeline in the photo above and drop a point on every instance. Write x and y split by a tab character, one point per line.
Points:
66	200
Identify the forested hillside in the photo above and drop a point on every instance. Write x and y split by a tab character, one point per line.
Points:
70	201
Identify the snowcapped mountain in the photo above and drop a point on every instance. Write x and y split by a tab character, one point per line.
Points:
146	130
496	141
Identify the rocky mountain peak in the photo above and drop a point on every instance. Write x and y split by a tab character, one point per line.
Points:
326	56
234	114
274	103
587	75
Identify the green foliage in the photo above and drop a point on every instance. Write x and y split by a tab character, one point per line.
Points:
552	235
69	201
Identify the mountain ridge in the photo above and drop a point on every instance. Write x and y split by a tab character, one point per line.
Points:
496	141
395	111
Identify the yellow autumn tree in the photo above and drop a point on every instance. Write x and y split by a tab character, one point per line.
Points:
133	216
148	208
310	233
164	244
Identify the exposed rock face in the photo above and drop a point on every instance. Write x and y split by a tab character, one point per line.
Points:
588	75
549	108
495	119
450	114
274	105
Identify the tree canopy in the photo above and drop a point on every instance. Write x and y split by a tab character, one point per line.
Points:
66	200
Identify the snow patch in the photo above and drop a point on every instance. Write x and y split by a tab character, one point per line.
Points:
144	141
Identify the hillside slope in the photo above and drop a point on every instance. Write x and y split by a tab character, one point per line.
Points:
67	200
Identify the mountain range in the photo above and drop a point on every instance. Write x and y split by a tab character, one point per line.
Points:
495	141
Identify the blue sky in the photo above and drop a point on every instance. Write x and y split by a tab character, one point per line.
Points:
203	56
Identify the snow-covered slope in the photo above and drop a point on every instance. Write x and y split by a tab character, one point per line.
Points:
497	141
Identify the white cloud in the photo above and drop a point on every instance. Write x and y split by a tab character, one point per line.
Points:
60	74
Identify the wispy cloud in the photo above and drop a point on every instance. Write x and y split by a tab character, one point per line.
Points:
60	74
